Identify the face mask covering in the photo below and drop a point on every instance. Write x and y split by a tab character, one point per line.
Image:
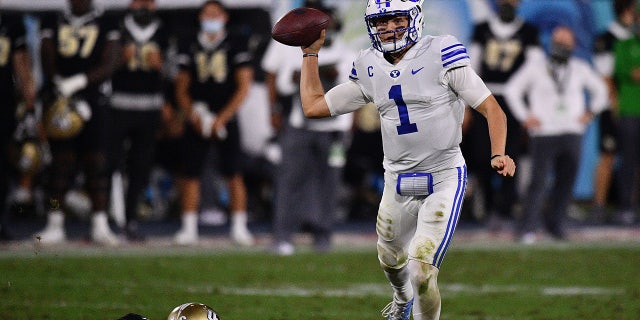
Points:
559	53
507	12
212	26
143	16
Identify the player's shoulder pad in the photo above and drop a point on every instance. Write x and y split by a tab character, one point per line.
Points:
360	57
452	52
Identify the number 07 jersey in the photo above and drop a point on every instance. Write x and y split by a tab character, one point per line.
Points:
421	116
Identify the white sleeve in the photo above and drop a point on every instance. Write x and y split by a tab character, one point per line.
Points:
516	88
598	90
344	98
270	61
604	63
466	82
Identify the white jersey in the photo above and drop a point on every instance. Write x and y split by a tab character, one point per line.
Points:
421	116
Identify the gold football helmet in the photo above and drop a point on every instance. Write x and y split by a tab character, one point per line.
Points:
62	120
27	157
193	311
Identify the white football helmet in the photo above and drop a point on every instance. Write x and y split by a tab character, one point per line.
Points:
388	9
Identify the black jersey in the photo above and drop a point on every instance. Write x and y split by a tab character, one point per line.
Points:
12	39
501	57
135	76
213	70
603	47
604	42
79	41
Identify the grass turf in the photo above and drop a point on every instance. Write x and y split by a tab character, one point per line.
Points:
512	282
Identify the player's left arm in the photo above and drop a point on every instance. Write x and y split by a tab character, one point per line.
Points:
464	81
109	61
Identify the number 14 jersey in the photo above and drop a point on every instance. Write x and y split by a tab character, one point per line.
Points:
421	116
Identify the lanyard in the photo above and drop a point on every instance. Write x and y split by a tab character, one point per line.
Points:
560	75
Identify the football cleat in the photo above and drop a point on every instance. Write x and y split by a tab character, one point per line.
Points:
185	238
101	233
387	9
193	311
241	235
54	232
394	311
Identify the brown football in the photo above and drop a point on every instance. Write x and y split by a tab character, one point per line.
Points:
300	27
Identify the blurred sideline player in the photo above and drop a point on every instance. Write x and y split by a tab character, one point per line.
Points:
136	103
620	29
500	46
79	51
214	79
420	86
309	175
15	75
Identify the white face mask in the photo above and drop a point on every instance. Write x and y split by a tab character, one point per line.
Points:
212	26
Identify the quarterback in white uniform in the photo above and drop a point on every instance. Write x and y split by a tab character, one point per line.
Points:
420	86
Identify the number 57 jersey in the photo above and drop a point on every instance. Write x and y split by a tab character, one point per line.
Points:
79	40
421	116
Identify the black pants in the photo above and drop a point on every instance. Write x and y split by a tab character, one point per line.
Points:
131	149
557	157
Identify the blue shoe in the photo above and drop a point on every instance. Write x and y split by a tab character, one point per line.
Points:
394	311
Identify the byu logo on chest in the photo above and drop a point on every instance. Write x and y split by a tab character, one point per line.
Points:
394	73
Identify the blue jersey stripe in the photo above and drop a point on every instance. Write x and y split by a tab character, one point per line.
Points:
453	53
453	46
454	60
453	219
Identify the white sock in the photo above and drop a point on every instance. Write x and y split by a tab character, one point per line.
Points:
55	218
239	218
100	220
190	221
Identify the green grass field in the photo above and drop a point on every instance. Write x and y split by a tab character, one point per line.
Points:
567	281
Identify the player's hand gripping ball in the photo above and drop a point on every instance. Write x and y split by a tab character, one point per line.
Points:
300	27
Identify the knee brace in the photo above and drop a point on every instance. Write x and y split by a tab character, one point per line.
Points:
391	259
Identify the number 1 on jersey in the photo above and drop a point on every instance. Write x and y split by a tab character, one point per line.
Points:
405	126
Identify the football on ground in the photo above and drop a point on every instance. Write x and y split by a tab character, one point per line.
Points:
300	27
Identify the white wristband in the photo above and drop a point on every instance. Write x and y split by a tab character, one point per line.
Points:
69	86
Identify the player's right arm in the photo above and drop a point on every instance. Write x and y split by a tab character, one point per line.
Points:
341	99
314	104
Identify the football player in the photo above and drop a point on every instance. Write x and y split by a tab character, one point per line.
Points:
499	47
214	79
420	86
136	102
15	74
79	51
312	149
604	61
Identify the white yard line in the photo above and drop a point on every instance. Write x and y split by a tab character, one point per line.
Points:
363	290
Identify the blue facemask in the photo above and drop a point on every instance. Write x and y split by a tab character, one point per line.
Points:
212	26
